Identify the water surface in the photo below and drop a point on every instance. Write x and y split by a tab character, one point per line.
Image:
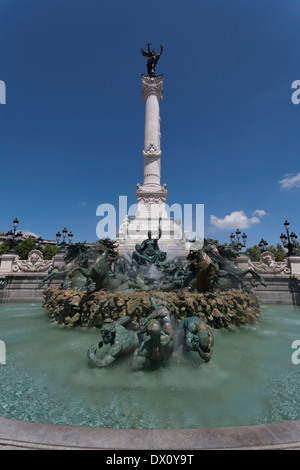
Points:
250	380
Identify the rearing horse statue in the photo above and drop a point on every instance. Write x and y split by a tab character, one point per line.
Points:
76	255
98	274
215	269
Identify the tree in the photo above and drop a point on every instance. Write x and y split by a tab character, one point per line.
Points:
297	249
49	251
4	248
278	252
253	253
25	247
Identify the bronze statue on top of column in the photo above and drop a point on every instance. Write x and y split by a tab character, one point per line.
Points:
152	59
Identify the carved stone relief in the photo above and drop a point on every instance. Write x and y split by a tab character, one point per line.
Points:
268	265
34	263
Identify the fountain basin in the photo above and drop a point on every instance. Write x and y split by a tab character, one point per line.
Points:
19	435
251	379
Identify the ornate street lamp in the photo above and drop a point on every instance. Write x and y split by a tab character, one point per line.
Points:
13	237
289	241
236	243
63	244
263	245
39	243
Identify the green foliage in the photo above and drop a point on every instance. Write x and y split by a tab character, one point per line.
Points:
25	247
4	247
297	249
253	253
49	251
279	252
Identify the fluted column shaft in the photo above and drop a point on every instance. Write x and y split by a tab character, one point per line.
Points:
152	94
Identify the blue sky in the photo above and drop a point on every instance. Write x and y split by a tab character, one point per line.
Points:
72	129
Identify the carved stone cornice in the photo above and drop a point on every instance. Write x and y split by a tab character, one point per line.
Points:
151	151
145	196
151	198
152	86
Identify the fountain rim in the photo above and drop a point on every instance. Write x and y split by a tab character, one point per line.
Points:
21	435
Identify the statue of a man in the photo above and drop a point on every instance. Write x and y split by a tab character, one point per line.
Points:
152	59
195	335
150	249
157	338
116	341
148	252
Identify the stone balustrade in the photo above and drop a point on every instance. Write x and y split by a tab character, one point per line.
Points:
19	278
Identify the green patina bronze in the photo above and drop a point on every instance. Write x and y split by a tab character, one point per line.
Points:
156	332
209	268
194	335
76	256
154	343
215	269
116	342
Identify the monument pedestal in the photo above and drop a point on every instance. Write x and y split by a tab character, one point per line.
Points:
293	263
59	260
6	262
172	241
242	262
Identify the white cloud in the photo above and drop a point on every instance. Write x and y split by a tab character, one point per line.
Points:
259	213
235	220
290	181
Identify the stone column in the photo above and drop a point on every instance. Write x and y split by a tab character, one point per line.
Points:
151	196
152	94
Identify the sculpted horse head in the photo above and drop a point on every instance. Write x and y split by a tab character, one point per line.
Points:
77	250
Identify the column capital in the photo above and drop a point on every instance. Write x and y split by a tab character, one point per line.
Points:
152	86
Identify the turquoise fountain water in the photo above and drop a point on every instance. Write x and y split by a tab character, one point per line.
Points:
250	380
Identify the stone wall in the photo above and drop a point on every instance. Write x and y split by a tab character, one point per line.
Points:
281	290
282	278
70	307
19	279
282	287
21	287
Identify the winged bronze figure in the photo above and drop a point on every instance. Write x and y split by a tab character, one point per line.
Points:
152	59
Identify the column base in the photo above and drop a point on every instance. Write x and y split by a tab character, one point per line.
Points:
173	240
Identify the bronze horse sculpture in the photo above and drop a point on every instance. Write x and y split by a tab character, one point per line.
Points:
215	269
76	255
99	274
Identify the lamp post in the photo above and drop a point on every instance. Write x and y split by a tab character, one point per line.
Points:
236	243
63	244
263	245
289	241
13	237
39	243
